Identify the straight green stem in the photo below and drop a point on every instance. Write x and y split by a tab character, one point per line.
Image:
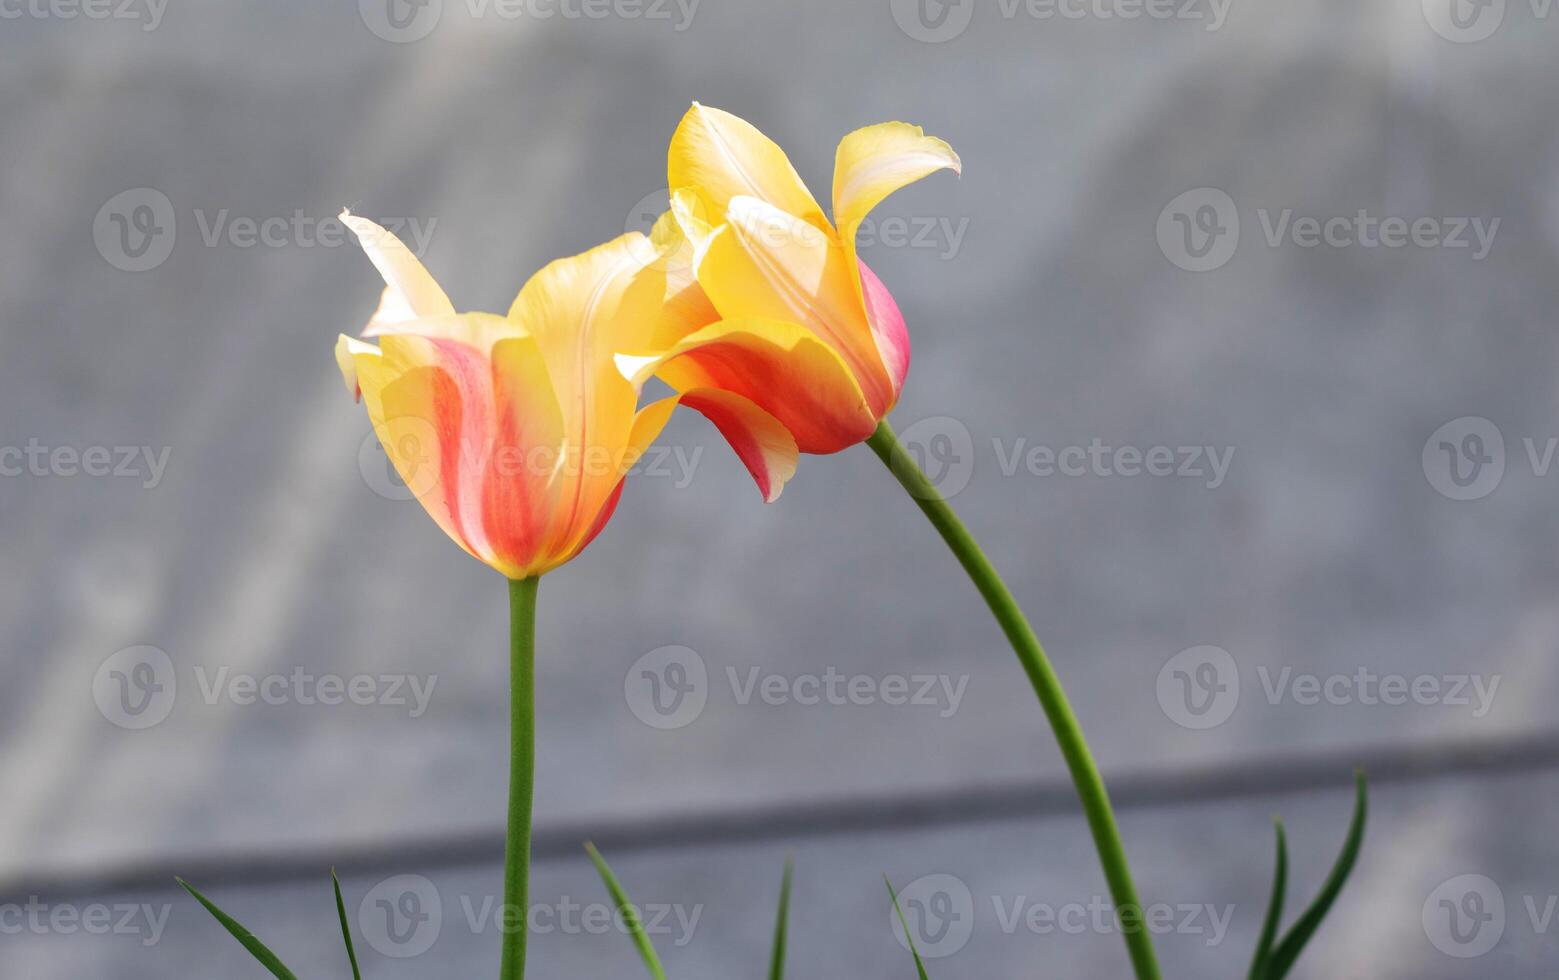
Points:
1068	733
522	773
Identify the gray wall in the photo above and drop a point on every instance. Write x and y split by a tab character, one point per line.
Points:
1050	305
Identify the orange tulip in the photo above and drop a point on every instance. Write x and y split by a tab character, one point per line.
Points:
515	432
775	307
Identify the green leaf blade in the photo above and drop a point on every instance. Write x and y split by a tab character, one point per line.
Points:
245	938
909	937
1269	927
346	932
777	960
1287	952
630	914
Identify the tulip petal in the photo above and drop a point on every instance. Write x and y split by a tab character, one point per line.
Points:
410	290
520	483
686	307
582	310
347	351
888	328
721	156
479	331
780	366
608	488
761	442
766	264
602	518
873	162
420	416
647	426
695	222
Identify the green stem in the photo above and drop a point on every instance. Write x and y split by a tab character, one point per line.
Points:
522	774
1069	735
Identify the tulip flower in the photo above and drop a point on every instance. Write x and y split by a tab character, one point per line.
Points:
780	310
515	433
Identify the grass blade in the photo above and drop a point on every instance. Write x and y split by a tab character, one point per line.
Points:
908	936
346	931
777	961
244	936
1294	942
630	914
1269	928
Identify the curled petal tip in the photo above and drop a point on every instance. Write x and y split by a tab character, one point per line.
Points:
361	227
636	368
761	441
875	161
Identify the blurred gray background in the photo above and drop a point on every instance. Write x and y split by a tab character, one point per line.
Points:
1373	579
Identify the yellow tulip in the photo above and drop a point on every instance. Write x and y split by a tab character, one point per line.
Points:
776	308
515	432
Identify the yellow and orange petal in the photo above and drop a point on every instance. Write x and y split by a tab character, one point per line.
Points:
719	156
870	164
514	433
763	251
767	265
781	367
873	162
410	292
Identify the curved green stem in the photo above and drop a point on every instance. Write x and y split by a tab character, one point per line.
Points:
1069	735
522	773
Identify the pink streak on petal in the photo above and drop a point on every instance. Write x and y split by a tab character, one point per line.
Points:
465	426
888	327
510	487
